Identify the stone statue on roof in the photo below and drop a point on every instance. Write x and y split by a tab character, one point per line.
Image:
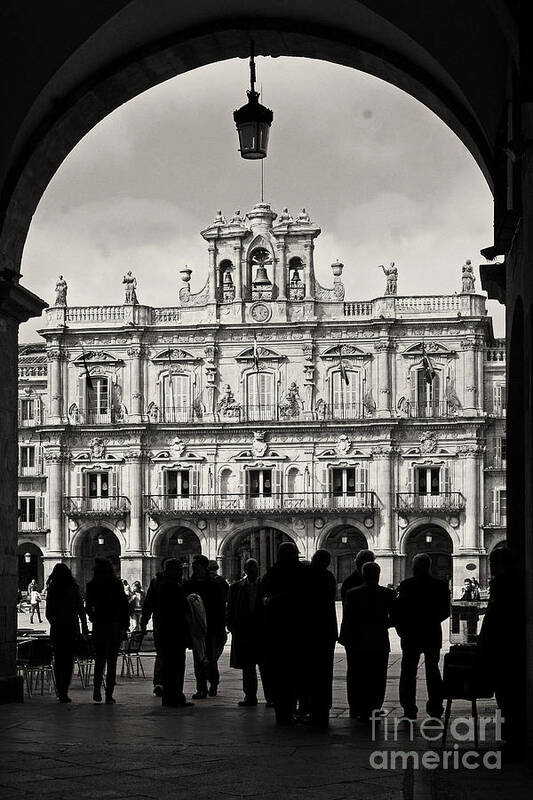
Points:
391	273
61	292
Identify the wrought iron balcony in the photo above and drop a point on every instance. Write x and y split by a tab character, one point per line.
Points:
430	409
165	505
82	506
415	503
39	523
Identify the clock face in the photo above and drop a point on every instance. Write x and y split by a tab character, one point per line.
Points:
260	312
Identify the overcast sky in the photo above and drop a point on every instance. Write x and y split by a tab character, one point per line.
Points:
382	176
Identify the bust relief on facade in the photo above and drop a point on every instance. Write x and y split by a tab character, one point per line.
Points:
343	445
97	447
291	404
259	446
227	406
428	442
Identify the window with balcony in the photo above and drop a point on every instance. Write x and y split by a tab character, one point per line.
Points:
499	507
177	483
97	484
176	398
496	452
261	400
346	396
27	460
428	395
348	486
259	483
427	481
27	412
27	510
98	410
499	399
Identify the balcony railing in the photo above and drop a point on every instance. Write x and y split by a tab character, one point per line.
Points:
430	409
179	414
421	503
40	523
33	471
496	410
496	462
82	506
277	503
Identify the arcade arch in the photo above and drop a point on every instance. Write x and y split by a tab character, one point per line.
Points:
433	539
177	542
259	542
343	543
94	541
30	565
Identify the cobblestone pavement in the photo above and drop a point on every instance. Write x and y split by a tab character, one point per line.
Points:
137	749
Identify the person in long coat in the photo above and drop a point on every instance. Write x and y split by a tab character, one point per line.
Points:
166	601
64	612
423	603
367	615
321	636
285	591
107	608
244	620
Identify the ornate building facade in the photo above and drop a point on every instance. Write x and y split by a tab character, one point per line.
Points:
263	408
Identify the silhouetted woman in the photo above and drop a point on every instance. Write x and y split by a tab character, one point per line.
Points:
107	608
64	610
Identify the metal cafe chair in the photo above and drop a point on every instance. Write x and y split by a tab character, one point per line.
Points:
35	661
84	660
464	679
131	657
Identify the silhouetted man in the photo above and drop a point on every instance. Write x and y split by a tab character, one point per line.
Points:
367	615
213	595
285	592
356	579
244	618
502	639
423	603
166	602
320	627
212	569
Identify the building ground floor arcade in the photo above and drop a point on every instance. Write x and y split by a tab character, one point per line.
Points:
231	540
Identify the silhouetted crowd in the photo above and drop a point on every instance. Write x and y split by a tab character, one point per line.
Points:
285	626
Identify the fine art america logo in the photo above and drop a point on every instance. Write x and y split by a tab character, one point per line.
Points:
452	754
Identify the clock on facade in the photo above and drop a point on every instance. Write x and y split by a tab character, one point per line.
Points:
260	312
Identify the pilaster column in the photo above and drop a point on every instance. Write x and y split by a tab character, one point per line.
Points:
471	472
55	384
383	458
135	354
54	460
309	271
384	379
281	277
134	459
237	275
212	272
470	375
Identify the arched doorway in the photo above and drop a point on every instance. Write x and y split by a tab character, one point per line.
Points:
259	543
435	541
180	543
98	542
343	544
30	566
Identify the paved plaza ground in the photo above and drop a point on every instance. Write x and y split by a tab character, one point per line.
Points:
137	749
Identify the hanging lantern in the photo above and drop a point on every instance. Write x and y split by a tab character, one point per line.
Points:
101	539
253	120
429	538
27	558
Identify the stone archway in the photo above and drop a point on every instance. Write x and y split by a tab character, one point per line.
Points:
177	542
95	542
343	543
437	542
256	542
30	565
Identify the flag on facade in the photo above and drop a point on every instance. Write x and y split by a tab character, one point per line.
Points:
86	374
170	388
429	369
256	355
342	370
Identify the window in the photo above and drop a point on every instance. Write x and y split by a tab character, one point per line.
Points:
177	483
261	399
260	483
98	484
427	395
499	398
27	509
98	399
499	507
175	401
27	411
346	397
348	481
427	481
27	457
